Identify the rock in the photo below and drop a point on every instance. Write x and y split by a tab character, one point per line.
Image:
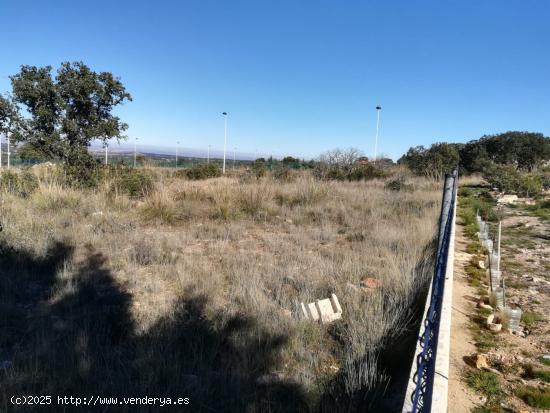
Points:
481	361
495	328
481	264
494	324
369	283
481	304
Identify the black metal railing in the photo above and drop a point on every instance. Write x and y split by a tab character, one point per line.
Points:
421	397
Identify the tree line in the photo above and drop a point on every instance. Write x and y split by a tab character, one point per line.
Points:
56	116
511	161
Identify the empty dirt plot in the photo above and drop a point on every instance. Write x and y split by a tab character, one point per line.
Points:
514	373
193	288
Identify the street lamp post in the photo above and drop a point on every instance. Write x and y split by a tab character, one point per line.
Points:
378	109
224	141
135	152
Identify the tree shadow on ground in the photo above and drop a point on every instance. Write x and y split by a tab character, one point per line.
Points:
76	337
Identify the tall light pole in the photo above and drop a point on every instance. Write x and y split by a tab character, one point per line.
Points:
378	109
208	156
234	150
177	146
224	141
135	152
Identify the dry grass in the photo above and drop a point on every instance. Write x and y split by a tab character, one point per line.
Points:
184	293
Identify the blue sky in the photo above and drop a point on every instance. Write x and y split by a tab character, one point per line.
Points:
301	77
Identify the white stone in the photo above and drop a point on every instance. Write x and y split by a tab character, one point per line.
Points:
325	311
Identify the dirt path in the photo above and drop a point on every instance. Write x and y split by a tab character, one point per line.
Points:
461	398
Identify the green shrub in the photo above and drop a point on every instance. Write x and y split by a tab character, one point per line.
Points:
398	184
359	172
203	171
465	191
541	209
129	181
22	184
529	318
474	248
81	169
509	179
534	397
336	174
259	168
545	180
484	382
284	174
533	373
364	172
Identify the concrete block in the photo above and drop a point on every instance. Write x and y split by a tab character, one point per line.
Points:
326	310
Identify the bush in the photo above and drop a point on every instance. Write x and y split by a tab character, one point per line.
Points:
541	209
364	172
359	172
534	397
545	180
508	179
284	174
132	182
531	373
398	184
529	318
484	382
22	184
81	169
203	171
259	168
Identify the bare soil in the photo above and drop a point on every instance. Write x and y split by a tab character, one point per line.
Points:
461	398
